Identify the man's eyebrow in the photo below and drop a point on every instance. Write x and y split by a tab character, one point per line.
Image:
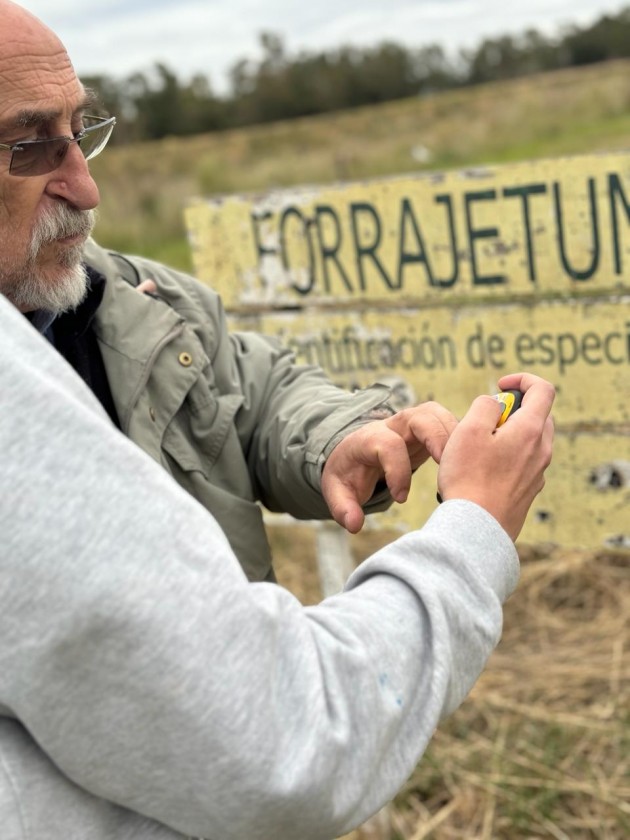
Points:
90	99
33	117
30	118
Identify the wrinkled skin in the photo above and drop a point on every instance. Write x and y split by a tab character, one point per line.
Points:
37	79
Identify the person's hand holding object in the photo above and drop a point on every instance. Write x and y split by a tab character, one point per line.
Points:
501	469
387	449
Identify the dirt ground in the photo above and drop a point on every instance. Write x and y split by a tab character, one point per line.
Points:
541	748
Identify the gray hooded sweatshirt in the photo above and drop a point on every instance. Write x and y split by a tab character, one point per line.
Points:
148	691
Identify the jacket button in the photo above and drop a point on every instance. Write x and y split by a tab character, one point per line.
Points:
152	413
185	359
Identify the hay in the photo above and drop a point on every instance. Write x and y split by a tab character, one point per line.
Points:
541	748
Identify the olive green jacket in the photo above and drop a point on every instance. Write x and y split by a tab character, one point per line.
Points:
230	416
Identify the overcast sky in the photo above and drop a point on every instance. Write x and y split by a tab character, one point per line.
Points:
119	37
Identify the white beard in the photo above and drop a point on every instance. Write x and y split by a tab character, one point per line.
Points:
35	292
28	287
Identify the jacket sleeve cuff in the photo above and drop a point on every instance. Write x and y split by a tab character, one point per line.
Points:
362	408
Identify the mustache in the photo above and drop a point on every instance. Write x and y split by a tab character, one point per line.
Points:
59	223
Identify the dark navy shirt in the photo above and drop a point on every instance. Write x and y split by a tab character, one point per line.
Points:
72	334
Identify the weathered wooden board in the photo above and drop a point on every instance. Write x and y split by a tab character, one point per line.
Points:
452	354
556	226
438	285
583	504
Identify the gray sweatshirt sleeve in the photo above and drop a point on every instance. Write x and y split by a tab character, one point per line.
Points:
143	664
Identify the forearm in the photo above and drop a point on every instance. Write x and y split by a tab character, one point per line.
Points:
292	417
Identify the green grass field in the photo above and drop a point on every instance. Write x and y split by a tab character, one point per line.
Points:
542	747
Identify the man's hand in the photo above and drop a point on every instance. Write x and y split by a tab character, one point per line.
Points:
147	287
385	449
501	469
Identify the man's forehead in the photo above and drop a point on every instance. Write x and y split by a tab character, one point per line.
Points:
35	70
31	114
39	89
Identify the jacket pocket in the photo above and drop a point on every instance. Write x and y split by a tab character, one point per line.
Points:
202	452
195	439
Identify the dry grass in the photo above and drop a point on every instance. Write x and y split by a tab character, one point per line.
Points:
541	748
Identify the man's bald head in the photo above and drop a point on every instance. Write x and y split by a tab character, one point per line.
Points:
22	34
44	218
21	25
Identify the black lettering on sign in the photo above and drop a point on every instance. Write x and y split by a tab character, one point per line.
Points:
480	233
485	351
574	273
352	351
524	193
303	234
257	221
345	248
565	349
330	250
616	190
546	343
419	252
449	281
608	340
367	249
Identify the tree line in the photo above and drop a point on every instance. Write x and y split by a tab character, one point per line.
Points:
153	105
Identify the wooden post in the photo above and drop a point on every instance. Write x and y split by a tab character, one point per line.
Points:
334	558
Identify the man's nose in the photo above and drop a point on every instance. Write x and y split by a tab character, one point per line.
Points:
72	181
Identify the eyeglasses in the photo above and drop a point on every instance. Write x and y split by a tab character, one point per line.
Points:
37	157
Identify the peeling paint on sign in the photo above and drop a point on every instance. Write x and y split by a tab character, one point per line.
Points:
437	285
570	511
557	226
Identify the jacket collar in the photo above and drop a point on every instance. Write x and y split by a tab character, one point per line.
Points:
129	321
139	335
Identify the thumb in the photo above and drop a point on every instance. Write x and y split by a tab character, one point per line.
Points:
484	412
343	505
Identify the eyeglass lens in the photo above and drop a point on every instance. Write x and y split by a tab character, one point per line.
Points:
41	156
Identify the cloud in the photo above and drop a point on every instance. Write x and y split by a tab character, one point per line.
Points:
119	37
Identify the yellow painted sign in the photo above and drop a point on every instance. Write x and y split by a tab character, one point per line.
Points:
584	502
529	229
452	354
439	284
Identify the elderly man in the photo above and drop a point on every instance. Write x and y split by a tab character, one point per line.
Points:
147	689
231	417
